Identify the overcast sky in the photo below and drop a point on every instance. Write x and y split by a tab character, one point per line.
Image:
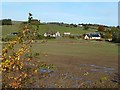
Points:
69	12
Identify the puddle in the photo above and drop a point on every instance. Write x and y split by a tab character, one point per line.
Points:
93	65
45	70
96	68
88	82
103	69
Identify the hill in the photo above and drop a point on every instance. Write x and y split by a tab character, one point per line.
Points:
7	29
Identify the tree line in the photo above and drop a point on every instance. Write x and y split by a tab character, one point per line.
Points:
6	22
110	33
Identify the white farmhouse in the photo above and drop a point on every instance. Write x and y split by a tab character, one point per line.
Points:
92	36
45	34
55	34
86	37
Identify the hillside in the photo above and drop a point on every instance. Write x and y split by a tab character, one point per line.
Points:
7	29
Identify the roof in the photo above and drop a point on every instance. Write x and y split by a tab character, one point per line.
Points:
14	33
93	35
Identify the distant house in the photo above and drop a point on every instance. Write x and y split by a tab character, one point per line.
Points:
45	35
52	34
66	33
92	36
80	25
14	33
57	34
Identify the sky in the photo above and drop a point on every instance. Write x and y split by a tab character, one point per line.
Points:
105	13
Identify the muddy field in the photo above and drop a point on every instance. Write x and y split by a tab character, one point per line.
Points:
78	64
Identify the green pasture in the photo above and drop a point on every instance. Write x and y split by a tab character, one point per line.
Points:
79	48
62	29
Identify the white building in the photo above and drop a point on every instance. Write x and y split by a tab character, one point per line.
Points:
45	34
66	33
80	25
92	36
57	34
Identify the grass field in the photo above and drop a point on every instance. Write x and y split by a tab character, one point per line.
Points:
79	62
62	29
85	50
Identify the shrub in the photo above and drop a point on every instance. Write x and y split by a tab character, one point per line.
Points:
116	36
38	37
49	37
101	28
72	36
86	27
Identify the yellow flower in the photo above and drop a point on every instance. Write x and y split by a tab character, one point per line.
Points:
25	75
35	71
7	61
18	58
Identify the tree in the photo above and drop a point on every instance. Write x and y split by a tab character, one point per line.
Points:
118	26
30	18
6	22
116	36
108	34
86	27
101	28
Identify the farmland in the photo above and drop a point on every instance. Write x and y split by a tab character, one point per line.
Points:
7	29
78	63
